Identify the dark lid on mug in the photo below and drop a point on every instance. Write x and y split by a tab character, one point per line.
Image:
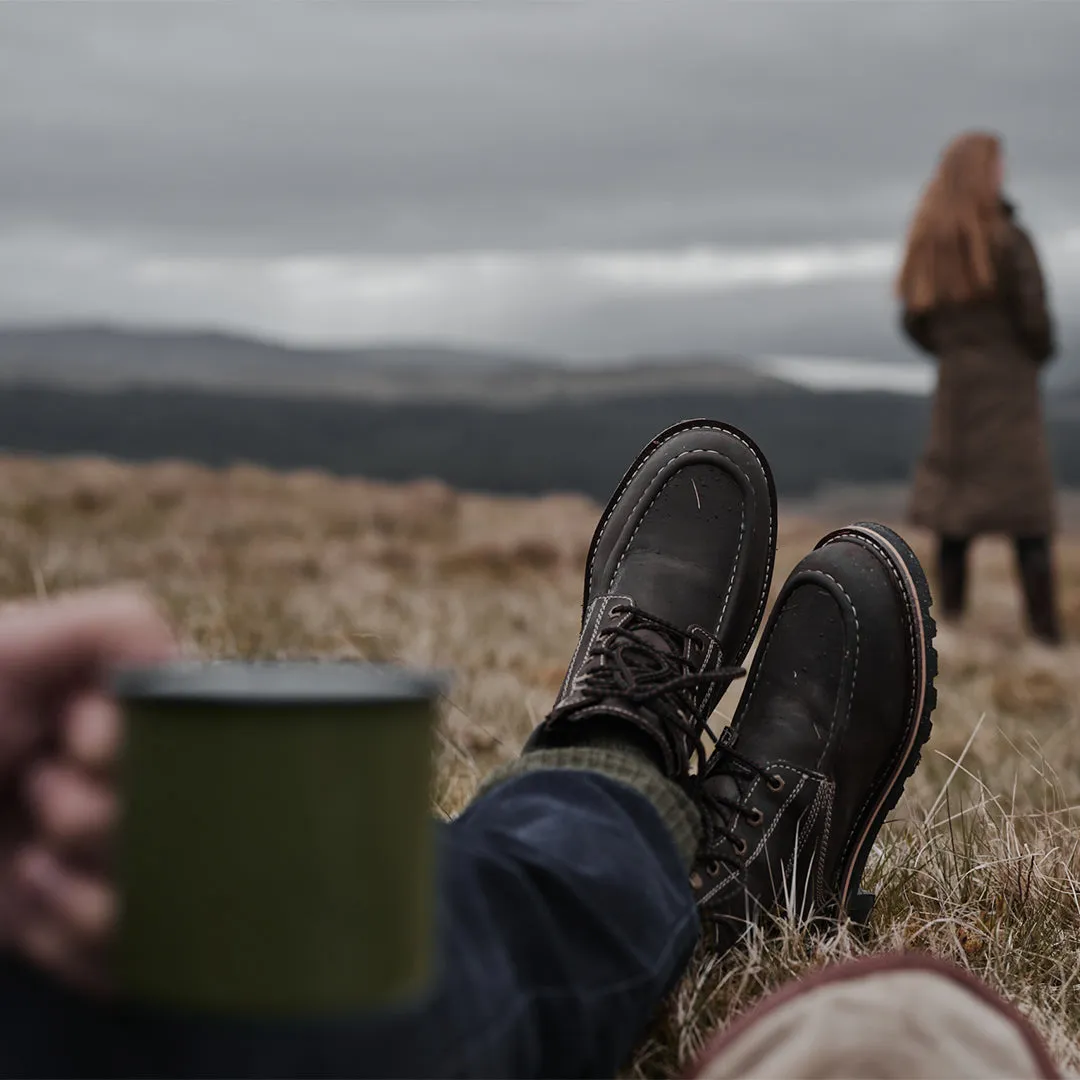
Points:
277	682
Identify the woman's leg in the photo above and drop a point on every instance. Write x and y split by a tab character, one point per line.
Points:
1036	566
952	574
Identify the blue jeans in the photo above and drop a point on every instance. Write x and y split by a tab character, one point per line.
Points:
565	917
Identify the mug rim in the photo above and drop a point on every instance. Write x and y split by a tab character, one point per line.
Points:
277	682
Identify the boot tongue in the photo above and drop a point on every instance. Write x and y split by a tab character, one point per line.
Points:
633	659
639	654
656	640
731	779
728	791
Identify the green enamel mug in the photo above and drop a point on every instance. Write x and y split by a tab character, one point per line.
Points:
275	848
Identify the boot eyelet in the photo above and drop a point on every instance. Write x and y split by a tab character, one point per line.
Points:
776	782
713	868
755	817
740	846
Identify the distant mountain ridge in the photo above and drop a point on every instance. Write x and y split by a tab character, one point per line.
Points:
95	357
480	421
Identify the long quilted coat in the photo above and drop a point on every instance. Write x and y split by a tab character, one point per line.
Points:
986	467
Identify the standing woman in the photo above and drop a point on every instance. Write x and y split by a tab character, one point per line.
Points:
973	297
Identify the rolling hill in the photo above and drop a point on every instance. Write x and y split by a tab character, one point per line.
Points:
479	421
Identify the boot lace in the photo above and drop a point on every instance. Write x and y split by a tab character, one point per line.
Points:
625	664
721	846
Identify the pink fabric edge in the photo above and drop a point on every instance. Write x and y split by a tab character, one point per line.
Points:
875	965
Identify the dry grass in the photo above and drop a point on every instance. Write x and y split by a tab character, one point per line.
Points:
981	863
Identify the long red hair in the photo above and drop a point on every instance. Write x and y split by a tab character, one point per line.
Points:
949	254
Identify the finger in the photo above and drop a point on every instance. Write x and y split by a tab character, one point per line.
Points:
71	812
91	732
71	912
50	651
82	634
44	942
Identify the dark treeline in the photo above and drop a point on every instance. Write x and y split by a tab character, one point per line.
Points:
811	439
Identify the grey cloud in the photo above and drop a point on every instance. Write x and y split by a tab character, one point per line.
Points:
165	129
845	320
437	127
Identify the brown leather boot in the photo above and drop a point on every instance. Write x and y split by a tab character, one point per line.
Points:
835	712
675	586
1037	577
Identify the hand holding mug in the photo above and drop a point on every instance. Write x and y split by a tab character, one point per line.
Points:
59	737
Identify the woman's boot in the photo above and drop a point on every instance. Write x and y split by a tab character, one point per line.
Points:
952	575
1037	578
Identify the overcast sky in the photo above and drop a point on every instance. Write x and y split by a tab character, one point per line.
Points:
592	180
